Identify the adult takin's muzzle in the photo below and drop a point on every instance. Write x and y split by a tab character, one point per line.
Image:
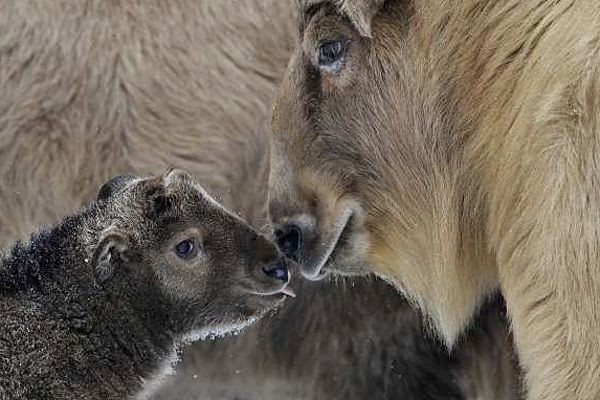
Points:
290	240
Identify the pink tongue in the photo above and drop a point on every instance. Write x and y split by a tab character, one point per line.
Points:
289	291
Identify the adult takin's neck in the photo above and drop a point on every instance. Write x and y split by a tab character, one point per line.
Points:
500	77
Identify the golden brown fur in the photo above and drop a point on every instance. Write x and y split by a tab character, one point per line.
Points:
463	140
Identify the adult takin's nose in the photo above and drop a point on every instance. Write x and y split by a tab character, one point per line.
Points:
290	240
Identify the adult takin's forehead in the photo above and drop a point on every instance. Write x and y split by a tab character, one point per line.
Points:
359	12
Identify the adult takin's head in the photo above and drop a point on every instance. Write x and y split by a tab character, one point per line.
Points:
339	134
364	159
214	270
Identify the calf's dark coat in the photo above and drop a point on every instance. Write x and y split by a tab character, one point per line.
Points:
95	306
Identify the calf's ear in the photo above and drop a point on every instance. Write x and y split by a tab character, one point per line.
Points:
109	253
360	13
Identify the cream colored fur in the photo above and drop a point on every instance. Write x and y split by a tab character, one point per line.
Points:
527	104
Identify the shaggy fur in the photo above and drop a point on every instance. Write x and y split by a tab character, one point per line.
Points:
94	306
95	88
457	149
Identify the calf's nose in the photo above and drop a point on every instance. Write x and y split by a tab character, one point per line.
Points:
278	270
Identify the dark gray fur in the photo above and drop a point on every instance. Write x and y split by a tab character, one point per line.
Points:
354	339
70	332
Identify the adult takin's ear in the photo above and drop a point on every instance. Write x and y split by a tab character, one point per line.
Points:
114	185
360	13
109	253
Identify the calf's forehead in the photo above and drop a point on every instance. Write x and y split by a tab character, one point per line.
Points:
190	205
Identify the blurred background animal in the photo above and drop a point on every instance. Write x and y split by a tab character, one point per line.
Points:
93	89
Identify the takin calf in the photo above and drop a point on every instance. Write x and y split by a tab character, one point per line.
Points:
93	307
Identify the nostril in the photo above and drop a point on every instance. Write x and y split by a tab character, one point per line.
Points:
289	240
277	271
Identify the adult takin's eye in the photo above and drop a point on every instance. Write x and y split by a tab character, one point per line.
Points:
330	53
186	249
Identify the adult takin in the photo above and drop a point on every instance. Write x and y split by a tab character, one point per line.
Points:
94	307
452	147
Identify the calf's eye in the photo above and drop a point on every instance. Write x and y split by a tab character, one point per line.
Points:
330	52
186	249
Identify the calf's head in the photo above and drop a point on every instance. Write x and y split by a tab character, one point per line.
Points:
214	271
